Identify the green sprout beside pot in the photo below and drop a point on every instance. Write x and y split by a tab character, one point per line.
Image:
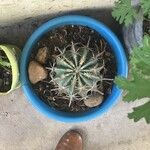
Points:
9	68
138	84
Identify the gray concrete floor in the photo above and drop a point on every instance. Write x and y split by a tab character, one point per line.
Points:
24	128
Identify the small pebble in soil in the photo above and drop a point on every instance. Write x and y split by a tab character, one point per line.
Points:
42	55
36	72
94	100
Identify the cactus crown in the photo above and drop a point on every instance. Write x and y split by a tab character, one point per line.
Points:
76	72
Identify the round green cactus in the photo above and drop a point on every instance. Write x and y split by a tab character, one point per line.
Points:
76	72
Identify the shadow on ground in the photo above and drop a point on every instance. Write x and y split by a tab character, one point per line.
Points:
18	33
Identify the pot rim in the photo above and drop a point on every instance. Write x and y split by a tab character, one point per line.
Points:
105	32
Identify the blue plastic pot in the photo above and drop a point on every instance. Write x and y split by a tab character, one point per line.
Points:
105	32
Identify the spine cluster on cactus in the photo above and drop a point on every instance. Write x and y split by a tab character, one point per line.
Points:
77	72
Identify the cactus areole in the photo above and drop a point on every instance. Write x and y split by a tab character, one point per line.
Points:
82	57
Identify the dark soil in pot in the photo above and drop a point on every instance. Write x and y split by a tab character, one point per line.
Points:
5	73
44	57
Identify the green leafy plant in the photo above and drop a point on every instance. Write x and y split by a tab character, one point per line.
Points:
77	72
138	86
4	63
125	13
145	5
10	62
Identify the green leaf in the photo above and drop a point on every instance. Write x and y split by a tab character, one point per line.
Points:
4	63
145	4
142	111
140	58
134	86
124	12
138	86
140	73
